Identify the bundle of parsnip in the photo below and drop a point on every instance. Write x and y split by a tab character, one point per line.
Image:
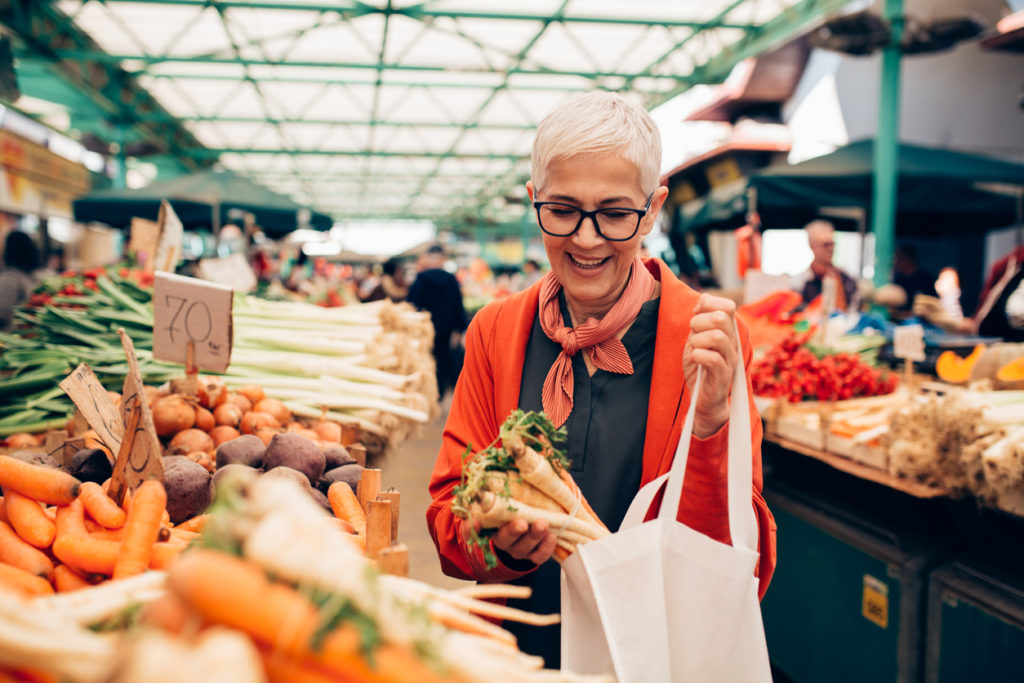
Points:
526	477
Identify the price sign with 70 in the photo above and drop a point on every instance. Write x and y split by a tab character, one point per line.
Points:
190	311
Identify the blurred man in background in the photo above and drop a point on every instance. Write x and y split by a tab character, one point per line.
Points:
437	291
822	241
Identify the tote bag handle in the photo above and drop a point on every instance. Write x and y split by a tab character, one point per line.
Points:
742	522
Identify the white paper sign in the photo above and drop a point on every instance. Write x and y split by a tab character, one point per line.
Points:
172	235
189	310
233	271
908	342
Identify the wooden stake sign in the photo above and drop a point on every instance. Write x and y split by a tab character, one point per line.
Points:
140	456
187	311
369	486
95	405
394	560
169	244
396	500
908	344
378	527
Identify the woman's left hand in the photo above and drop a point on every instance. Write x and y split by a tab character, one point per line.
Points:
712	344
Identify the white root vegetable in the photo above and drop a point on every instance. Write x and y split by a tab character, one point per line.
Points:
94	604
493	511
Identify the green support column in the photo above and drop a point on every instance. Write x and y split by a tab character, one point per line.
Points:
119	180
886	176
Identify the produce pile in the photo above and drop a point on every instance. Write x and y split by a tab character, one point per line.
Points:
526	477
792	370
368	364
271	592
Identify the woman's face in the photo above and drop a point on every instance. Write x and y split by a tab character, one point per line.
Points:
592	270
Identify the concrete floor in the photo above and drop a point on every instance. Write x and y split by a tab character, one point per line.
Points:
408	471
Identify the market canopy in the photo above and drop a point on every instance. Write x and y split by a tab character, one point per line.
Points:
370	108
205	199
939	189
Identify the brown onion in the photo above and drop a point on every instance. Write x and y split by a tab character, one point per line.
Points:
153	395
172	414
272	406
240	401
223	433
265	435
228	414
189	440
211	392
204	419
295	427
254	421
328	431
24	440
253	392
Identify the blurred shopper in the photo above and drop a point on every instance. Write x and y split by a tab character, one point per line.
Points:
531	273
391	284
21	258
822	241
437	291
1001	309
908	275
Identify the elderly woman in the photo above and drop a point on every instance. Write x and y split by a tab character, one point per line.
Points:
608	345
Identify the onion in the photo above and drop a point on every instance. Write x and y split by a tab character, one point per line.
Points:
272	406
228	414
240	401
172	414
23	440
190	440
295	427
328	431
204	419
253	392
223	433
253	421
153	394
265	435
211	392
203	458
309	434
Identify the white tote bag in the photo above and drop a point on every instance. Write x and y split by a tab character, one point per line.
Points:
658	601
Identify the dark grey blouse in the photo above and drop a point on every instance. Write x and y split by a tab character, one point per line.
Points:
606	444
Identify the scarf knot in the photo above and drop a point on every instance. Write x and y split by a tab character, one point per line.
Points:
599	338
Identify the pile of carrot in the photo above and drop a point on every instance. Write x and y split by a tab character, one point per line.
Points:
60	534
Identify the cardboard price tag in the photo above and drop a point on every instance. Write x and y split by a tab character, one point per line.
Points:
140	456
908	342
94	402
172	235
145	235
190	311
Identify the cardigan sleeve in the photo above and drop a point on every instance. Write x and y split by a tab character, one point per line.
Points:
472	424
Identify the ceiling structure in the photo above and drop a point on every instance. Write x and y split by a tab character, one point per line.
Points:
378	109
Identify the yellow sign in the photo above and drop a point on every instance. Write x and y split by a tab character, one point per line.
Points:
875	602
723	171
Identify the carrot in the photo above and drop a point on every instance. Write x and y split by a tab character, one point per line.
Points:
71	519
221	588
45	484
65	579
346	506
23	582
3	511
87	554
16	552
168	613
280	668
195	524
29	520
108	534
164	553
344	525
149	502
51	512
100	506
183	535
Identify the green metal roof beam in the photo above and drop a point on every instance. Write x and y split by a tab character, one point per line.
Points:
340	122
214	152
418	12
788	24
44	29
348	81
107	58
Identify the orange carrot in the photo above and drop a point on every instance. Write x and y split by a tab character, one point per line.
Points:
165	553
71	519
195	524
21	581
87	554
168	613
108	534
221	588
184	535
51	512
29	520
149	502
16	552
346	506
3	511
45	484
280	668
65	579
100	506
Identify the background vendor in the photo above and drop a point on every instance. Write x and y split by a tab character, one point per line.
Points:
608	346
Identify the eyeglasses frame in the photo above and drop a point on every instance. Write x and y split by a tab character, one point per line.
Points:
592	215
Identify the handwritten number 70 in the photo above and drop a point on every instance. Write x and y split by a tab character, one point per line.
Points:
196	318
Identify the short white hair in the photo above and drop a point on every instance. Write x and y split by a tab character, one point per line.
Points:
818	226
594	124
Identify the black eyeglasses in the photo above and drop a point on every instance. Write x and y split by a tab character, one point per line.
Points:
616	224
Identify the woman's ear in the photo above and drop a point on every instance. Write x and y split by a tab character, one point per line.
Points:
529	190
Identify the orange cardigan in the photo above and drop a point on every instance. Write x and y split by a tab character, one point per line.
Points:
488	390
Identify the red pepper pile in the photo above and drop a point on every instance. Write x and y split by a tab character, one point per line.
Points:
791	370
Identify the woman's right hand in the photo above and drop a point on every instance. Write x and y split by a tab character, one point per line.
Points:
525	541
